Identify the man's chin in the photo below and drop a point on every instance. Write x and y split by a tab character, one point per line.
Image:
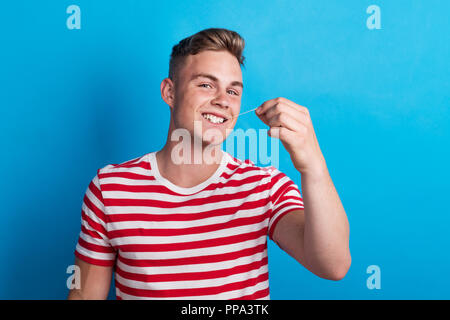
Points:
212	141
213	137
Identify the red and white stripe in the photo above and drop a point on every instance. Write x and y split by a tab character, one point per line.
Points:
168	244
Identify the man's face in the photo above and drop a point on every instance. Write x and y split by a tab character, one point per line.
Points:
209	93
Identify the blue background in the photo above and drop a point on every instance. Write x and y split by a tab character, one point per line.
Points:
73	101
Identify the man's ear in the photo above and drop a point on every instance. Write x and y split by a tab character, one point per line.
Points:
168	92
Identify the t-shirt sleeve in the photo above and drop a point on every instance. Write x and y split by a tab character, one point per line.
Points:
285	197
93	244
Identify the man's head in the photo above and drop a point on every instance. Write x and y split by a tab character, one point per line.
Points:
205	82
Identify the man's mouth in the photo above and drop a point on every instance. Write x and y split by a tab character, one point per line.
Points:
214	118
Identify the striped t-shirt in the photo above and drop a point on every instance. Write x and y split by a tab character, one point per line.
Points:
169	242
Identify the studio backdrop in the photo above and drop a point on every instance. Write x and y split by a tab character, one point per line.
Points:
80	89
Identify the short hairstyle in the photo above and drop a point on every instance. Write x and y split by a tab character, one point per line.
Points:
215	39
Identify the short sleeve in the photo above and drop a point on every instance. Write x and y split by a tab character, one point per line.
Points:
93	244
285	197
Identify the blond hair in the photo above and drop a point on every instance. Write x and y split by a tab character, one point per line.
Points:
215	39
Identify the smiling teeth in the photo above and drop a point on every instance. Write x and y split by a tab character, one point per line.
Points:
213	118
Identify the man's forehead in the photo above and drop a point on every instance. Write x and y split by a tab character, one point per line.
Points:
210	61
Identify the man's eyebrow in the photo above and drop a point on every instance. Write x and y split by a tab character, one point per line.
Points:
213	78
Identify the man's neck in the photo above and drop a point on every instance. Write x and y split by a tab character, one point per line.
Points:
189	173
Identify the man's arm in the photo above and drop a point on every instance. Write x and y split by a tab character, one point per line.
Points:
95	282
318	236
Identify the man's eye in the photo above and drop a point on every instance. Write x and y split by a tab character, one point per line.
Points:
207	84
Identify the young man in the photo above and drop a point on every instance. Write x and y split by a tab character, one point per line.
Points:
195	229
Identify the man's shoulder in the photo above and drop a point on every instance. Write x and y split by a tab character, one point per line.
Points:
137	164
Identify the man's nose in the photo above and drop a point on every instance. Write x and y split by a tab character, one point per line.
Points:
221	100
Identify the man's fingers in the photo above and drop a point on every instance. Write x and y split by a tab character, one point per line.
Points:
283	108
273	102
285	120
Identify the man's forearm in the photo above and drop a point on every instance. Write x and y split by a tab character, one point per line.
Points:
75	295
326	232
